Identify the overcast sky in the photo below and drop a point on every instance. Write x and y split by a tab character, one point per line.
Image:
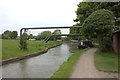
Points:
16	14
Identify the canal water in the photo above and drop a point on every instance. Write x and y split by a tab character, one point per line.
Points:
42	66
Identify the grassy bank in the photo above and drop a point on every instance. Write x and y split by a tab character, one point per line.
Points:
66	68
107	62
10	48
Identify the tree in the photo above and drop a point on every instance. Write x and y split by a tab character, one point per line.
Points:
30	36
99	26
6	34
55	33
23	41
13	35
87	8
9	34
43	35
35	37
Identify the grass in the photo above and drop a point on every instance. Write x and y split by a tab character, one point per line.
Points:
10	48
66	68
106	61
0	49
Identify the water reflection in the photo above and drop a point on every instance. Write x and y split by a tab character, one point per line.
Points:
42	66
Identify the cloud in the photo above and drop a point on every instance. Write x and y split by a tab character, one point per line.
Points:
15	14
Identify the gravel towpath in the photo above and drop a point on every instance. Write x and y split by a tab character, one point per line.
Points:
85	67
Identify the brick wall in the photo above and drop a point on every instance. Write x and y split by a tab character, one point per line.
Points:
116	42
119	42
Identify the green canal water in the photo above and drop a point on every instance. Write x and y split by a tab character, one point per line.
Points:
42	66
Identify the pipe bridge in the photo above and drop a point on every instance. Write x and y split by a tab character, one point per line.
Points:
61	27
66	35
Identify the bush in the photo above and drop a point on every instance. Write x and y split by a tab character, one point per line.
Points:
23	42
105	44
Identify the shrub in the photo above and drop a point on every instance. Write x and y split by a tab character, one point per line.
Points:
23	42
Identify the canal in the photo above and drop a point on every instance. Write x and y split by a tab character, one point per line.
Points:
42	66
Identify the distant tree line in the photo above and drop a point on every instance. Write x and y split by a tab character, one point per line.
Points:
9	34
46	34
43	35
29	36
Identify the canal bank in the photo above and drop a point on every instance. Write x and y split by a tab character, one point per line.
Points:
6	61
66	68
41	66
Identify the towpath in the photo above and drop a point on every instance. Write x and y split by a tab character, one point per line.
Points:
85	67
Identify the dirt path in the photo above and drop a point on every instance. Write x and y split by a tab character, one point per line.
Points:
85	67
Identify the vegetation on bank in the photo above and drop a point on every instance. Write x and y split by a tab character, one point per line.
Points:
11	48
98	20
85	9
66	68
99	26
106	61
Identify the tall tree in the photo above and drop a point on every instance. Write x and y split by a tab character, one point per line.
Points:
56	32
23	41
6	34
44	34
99	26
9	34
25	35
30	36
13	35
86	8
